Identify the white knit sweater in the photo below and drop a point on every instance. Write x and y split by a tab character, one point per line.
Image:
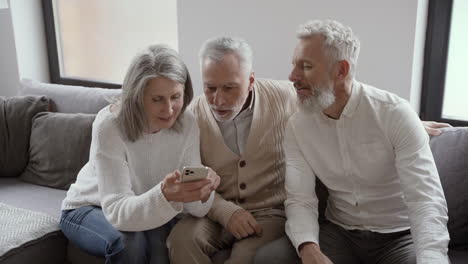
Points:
124	177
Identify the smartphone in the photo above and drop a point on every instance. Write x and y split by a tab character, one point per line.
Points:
190	173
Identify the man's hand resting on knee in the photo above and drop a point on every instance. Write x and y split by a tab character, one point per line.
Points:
311	254
242	224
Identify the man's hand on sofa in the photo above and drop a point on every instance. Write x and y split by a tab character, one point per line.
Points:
311	254
432	127
242	224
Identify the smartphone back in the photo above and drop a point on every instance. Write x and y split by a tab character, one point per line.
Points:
193	173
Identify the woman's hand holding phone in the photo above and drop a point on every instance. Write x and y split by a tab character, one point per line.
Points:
177	191
190	187
215	181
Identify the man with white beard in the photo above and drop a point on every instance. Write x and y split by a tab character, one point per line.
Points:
386	204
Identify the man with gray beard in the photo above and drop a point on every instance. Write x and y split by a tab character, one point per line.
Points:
386	204
242	121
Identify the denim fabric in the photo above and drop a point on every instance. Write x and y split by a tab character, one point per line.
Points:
87	228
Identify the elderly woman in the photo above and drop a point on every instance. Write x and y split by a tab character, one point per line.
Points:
125	199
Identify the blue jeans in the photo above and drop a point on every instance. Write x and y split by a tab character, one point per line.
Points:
87	228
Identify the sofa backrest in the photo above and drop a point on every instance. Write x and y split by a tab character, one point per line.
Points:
15	127
450	151
70	98
60	138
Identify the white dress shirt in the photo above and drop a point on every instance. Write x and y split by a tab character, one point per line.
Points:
235	132
377	165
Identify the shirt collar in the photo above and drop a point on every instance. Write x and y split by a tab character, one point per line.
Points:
353	100
252	100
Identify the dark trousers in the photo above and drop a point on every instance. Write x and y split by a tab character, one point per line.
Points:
87	228
346	247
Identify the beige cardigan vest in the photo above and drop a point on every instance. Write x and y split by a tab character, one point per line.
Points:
255	179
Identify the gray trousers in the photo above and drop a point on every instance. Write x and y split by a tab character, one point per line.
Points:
346	247
196	240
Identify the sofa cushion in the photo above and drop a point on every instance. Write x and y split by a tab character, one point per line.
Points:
33	197
48	249
16	114
59	148
19	226
77	255
450	151
70	98
458	256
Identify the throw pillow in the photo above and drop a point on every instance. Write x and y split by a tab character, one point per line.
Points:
16	114
60	146
70	98
450	151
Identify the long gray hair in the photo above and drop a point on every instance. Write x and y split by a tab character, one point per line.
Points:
154	61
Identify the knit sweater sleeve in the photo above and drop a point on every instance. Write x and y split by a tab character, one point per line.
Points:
222	210
121	207
192	158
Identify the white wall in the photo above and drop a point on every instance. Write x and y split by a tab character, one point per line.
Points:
418	60
386	29
28	26
8	64
23	52
391	32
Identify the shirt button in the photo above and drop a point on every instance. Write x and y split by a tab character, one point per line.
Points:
241	200
243	186
242	163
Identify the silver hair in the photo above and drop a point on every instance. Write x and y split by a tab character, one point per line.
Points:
215	48
340	43
154	61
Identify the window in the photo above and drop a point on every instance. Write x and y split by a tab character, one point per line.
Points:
91	42
445	92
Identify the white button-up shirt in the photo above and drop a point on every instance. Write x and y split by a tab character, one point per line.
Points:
377	165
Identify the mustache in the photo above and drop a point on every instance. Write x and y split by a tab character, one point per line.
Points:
297	85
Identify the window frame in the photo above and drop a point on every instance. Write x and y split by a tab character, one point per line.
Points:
435	62
53	56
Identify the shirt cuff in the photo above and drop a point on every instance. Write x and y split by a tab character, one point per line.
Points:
199	208
222	210
299	239
209	202
433	257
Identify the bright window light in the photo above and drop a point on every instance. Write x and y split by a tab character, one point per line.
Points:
455	104
97	39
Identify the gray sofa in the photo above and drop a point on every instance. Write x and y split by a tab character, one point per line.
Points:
44	141
45	135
